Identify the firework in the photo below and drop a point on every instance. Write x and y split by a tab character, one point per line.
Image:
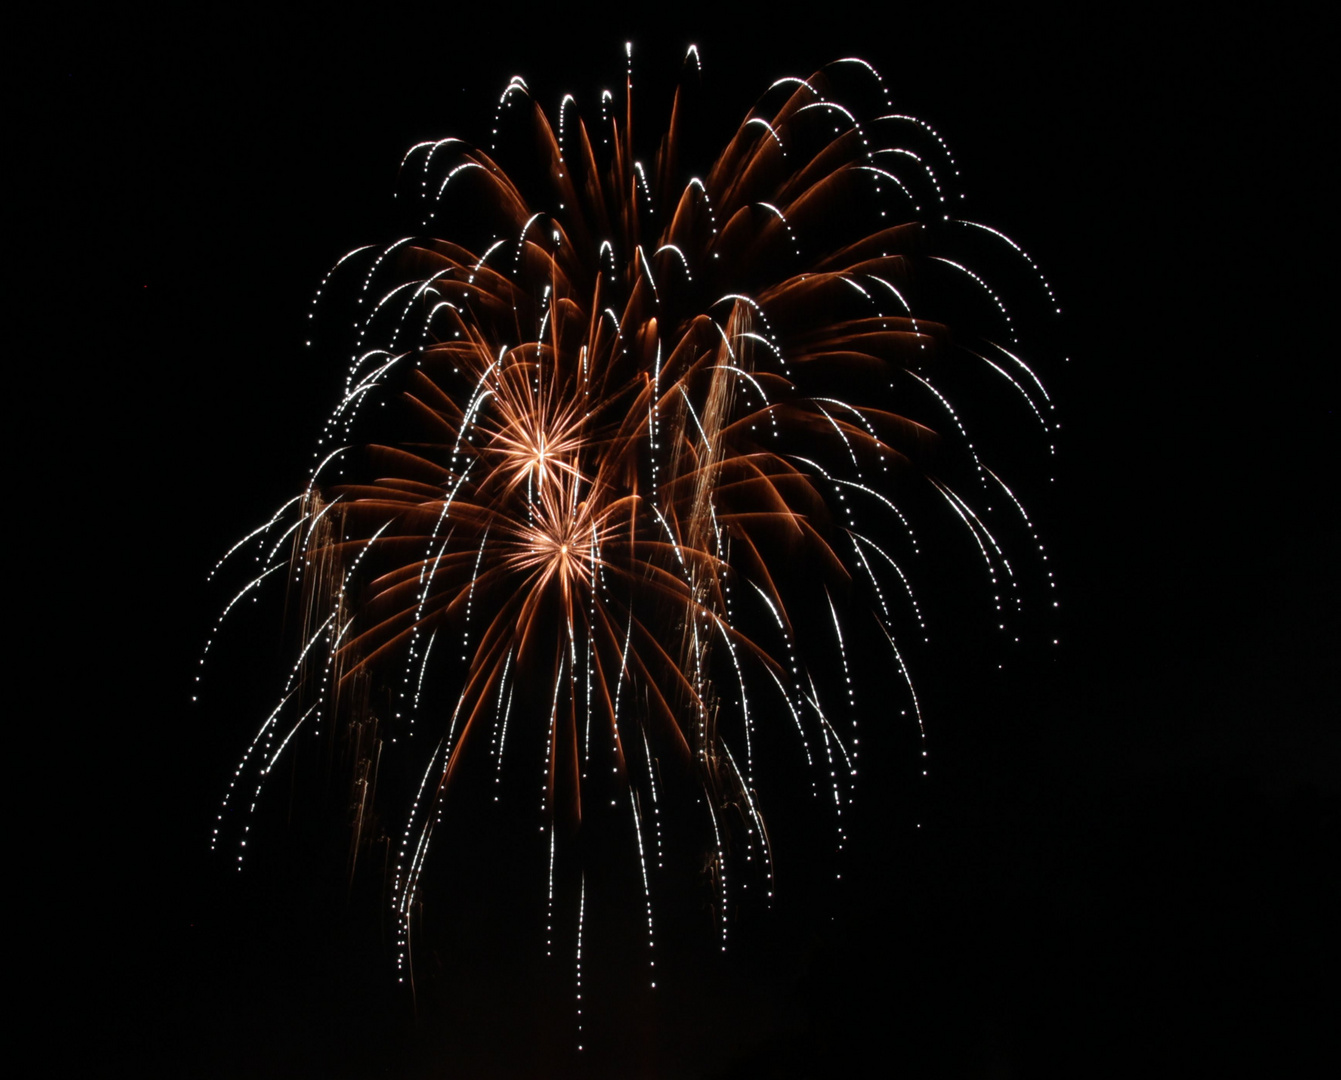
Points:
557	514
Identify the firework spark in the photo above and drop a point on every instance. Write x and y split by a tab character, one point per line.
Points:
621	409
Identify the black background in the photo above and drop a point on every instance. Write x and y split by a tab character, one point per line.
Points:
1126	855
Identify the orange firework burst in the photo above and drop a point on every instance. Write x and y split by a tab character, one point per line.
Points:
622	414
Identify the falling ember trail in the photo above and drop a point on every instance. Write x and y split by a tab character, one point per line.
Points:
584	445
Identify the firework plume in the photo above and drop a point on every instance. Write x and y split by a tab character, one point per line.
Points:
620	472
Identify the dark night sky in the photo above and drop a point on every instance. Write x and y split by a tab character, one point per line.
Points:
1122	865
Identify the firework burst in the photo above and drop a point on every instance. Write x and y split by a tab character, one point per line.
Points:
620	411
